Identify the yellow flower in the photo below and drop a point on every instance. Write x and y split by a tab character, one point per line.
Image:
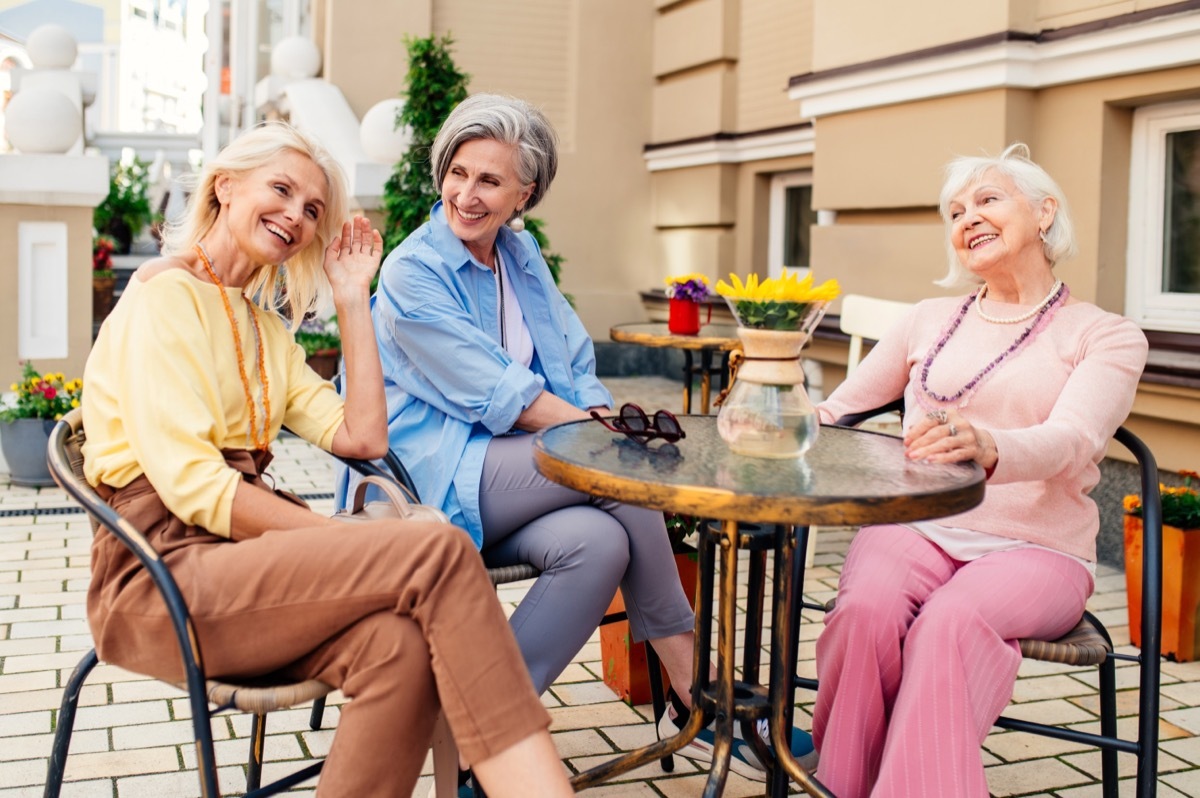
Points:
787	288
14	387
1132	503
683	278
74	403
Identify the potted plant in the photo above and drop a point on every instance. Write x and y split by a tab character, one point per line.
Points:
103	279
322	345
126	210
1181	568
623	661
26	420
684	295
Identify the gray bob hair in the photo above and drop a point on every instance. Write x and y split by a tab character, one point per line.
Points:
1030	179
507	120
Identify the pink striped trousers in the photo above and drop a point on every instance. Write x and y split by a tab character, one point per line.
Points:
919	658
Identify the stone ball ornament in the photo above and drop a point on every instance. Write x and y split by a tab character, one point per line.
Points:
51	47
295	58
41	120
380	138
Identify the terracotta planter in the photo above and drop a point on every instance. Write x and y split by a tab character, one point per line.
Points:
102	297
324	362
24	442
684	317
1181	589
623	660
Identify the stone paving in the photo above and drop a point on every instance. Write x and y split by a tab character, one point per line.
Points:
132	737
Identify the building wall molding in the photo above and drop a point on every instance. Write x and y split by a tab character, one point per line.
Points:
730	148
1008	60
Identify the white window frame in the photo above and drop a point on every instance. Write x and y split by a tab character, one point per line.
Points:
1145	300
777	203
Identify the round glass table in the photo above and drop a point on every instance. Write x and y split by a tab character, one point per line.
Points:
848	477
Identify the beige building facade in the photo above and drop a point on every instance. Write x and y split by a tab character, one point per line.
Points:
745	135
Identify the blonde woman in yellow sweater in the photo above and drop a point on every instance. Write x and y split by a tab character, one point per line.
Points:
188	384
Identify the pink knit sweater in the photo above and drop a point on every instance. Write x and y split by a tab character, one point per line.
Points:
1051	407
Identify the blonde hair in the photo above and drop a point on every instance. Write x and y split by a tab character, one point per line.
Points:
1034	184
295	286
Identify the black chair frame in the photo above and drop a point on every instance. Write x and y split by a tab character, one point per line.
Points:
1145	747
223	697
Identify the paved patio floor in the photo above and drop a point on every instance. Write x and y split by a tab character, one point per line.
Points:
132	735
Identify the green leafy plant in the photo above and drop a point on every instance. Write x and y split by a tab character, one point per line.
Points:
126	210
435	85
49	396
1180	503
318	335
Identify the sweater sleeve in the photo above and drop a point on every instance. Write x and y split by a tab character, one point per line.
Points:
314	411
1108	364
879	379
168	397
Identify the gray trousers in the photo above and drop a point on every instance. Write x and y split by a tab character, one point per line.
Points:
585	547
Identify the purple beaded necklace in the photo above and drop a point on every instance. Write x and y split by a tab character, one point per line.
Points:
964	393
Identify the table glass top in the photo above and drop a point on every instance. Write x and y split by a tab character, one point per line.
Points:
656	333
848	477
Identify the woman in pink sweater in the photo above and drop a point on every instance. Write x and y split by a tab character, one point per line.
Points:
920	657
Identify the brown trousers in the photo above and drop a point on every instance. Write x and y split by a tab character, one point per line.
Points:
398	615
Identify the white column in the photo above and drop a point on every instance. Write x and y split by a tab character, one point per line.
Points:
214	30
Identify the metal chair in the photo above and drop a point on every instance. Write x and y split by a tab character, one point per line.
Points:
1089	644
260	697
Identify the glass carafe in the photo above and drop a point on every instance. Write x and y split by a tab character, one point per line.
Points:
767	412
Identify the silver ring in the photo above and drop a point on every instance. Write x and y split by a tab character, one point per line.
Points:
953	431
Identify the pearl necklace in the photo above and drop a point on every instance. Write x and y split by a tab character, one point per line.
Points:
1036	309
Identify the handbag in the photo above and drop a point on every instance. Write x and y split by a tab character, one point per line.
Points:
398	504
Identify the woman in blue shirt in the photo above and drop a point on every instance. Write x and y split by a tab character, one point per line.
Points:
479	347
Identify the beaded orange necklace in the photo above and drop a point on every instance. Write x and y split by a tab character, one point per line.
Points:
264	442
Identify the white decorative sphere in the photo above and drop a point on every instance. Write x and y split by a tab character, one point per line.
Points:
40	120
51	47
295	57
380	138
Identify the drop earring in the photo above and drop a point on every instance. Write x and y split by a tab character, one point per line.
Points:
1042	235
517	224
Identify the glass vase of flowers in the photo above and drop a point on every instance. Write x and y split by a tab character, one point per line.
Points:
27	416
767	412
1180	567
685	293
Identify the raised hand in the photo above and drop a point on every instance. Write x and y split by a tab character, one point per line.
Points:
352	258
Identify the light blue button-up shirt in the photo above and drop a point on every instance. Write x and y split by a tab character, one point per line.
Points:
450	386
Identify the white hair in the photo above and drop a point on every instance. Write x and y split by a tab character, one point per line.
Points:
1034	184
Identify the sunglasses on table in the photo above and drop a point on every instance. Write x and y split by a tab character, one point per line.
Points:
631	420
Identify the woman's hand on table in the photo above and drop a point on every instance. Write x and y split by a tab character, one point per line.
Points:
944	436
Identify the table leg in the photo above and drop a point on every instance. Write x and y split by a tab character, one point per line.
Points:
689	371
788	585
726	653
706	369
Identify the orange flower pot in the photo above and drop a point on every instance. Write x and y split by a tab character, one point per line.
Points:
1180	587
623	660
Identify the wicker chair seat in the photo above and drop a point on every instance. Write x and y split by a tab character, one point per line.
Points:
260	700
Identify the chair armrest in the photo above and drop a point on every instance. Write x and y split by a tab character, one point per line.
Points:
854	419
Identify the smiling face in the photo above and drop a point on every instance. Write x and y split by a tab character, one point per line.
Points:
480	192
273	210
993	225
